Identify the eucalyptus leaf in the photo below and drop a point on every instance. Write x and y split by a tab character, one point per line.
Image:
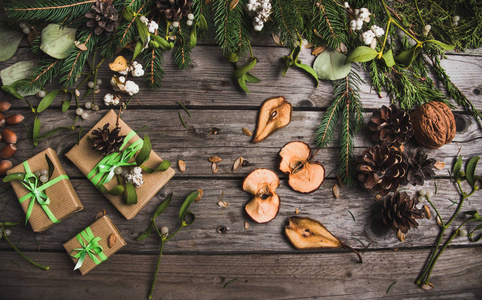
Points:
331	65
185	206
362	54
308	70
146	233
470	170
388	58
406	58
145	151
15	72
457	167
47	100
36	130
443	45
9	41
11	91
130	194
163	206
51	166
56	41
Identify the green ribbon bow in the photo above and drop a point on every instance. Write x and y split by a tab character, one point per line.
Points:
90	247
105	169
30	182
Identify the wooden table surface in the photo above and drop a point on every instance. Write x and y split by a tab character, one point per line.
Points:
258	263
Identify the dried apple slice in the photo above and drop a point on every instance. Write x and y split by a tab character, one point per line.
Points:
305	176
262	183
305	234
275	113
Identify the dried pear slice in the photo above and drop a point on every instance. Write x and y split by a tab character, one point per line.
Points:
305	176
274	114
262	183
305	234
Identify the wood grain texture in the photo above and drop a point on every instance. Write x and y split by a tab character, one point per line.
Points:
256	276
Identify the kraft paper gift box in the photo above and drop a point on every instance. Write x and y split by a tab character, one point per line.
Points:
48	203
86	158
91	246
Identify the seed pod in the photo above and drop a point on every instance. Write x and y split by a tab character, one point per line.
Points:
8	151
200	195
215	159
4	106
336	191
14	119
238	163
182	166
214	167
2	120
223	203
247	132
439	165
9	136
246	225
5	165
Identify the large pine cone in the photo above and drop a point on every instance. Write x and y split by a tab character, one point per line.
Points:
382	169
174	10
400	212
107	141
391	125
420	167
103	17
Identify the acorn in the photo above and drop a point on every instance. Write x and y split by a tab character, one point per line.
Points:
2	120
5	165
9	136
14	119
4	106
8	151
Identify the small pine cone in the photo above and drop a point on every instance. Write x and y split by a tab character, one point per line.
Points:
107	141
400	212
419	166
391	125
174	10
102	17
381	169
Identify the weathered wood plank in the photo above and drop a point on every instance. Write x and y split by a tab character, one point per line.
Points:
195	145
202	236
208	82
327	275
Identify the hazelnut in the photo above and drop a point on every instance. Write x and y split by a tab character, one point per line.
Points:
5	165
9	136
2	120
8	151
433	124
14	119
4	106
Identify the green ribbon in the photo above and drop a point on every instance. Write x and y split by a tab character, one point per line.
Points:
104	171
30	182
90	246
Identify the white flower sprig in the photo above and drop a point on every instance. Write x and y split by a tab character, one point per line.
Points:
260	10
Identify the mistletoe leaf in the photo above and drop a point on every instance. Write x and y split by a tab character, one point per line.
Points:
56	41
143	32
470	170
309	70
388	58
457	168
193	38
406	58
331	65
145	151
443	45
130	194
162	207
47	100
185	206
138	49
146	233
362	54
9	41
251	78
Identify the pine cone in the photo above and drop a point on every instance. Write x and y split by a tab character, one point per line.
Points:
174	10
400	213
107	141
391	125
382	169
103	17
419	166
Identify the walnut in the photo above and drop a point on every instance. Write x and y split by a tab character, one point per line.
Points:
433	124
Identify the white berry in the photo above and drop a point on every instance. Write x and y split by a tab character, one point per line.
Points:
258	27
190	17
252	2
44	172
22	25
26	30
91	84
95	107
118	170
463	232
79	111
37	173
99	81
189	22
85	115
44	178
427	27
175	24
456	19
8	232
421	199
429	194
164	231
41	94
88	105
422	192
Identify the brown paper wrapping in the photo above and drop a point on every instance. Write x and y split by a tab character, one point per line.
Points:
86	158
64	201
102	228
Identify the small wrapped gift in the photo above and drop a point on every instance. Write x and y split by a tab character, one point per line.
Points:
44	203
100	166
94	245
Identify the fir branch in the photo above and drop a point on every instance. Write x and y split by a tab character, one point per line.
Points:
75	61
56	11
182	50
329	22
232	33
288	22
49	69
326	130
153	59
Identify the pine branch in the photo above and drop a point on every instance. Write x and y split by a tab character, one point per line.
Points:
49	69
288	22
329	22
56	11
153	58
346	146
326	130
182	50
232	33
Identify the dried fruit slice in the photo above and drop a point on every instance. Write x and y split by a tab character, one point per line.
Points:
305	233
262	183
275	113
305	176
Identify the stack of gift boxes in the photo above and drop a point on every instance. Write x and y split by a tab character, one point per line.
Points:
49	200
